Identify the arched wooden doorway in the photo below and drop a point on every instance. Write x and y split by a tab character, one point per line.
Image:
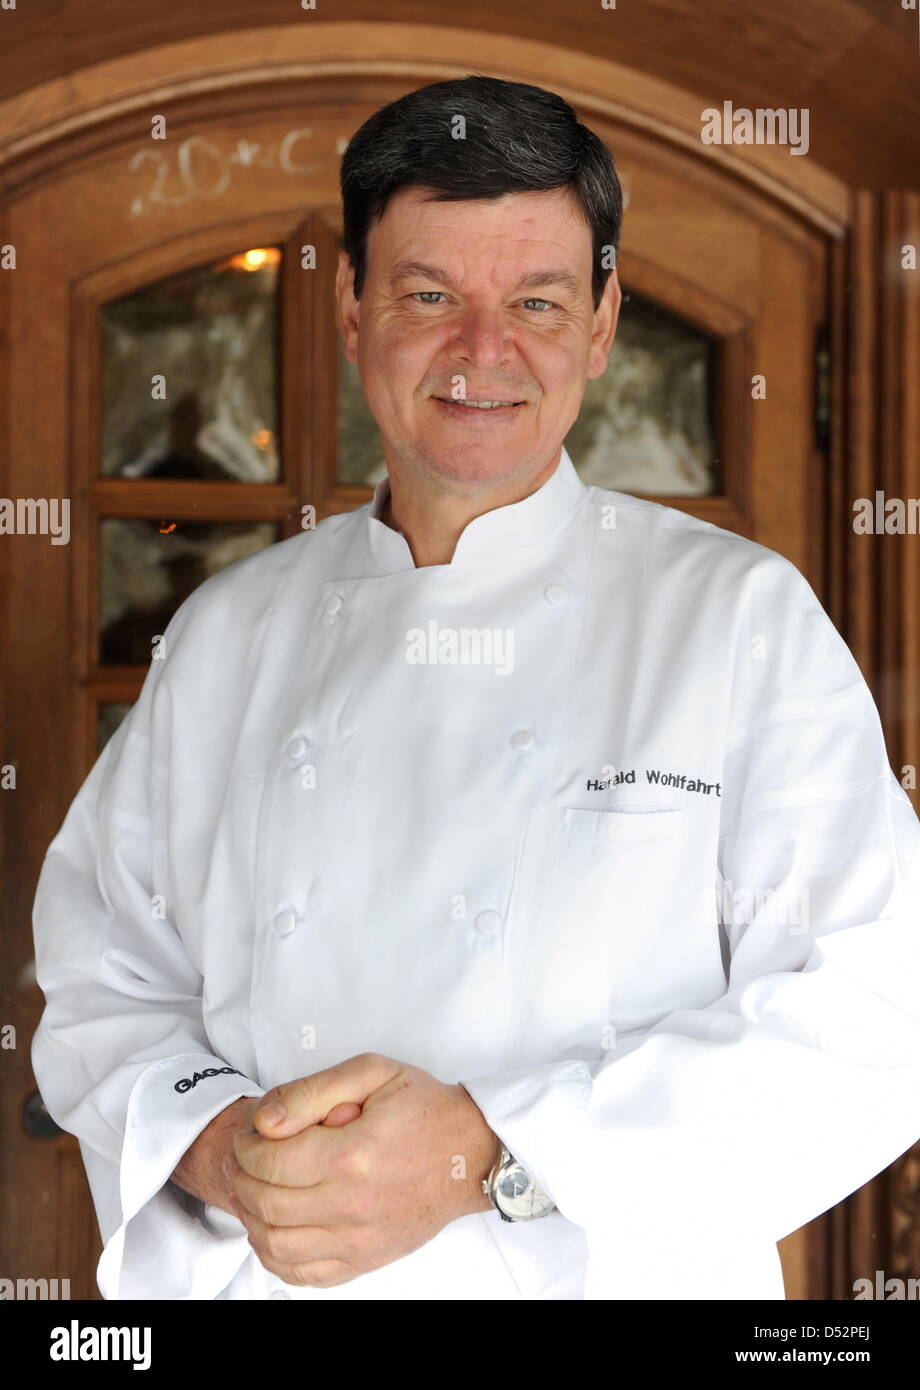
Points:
746	250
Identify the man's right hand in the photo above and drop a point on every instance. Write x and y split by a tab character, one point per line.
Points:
200	1171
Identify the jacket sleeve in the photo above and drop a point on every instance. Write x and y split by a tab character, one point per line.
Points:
743	1120
121	1039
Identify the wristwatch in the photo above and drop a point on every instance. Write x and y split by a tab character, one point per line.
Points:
513	1192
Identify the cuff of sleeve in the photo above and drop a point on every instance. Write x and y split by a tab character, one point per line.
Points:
535	1111
160	1249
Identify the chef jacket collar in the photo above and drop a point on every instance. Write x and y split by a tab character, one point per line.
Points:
531	522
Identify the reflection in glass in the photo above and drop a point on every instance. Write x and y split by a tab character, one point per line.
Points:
212	334
108	718
147	568
645	426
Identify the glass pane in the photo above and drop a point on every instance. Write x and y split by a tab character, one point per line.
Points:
206	341
146	569
108	718
646	425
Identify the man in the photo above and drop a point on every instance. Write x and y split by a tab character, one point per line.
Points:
533	847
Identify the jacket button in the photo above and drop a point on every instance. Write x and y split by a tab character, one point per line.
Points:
556	594
296	748
279	1293
285	921
488	922
522	739
334	605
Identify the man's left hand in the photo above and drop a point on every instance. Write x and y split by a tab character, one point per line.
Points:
370	1160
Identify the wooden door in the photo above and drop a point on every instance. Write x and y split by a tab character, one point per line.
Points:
94	234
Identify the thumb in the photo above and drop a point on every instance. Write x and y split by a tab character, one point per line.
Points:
342	1114
310	1100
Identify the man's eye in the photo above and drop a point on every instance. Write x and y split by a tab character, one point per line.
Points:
432	297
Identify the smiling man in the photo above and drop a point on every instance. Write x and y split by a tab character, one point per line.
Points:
474	334
377	970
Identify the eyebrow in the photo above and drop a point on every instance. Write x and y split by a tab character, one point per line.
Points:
537	280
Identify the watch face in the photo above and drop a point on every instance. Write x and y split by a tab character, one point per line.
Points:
513	1183
518	1196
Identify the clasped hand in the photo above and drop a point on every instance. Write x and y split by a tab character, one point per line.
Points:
370	1159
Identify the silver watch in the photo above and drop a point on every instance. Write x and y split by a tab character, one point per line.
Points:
513	1192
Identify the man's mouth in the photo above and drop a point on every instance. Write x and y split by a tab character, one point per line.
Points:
477	405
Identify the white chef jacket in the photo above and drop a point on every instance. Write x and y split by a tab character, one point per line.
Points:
568	871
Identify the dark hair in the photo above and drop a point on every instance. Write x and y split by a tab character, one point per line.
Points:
519	139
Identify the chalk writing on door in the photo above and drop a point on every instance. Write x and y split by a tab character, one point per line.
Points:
202	167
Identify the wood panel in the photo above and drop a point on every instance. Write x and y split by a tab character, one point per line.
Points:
852	61
63	121
877	591
898	1197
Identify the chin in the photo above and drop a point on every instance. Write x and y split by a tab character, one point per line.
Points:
474	463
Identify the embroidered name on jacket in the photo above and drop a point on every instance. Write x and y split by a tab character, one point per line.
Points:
657	777
188	1082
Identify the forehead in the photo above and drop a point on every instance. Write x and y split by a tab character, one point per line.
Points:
512	230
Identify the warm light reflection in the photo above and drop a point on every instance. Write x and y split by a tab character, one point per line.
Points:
259	258
262	439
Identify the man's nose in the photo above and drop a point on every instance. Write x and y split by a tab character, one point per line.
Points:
483	337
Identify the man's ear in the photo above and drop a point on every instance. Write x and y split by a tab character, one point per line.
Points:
604	326
347	306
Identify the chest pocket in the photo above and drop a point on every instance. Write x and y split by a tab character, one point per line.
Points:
627	871
637	824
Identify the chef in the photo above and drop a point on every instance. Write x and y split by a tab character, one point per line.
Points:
500	891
